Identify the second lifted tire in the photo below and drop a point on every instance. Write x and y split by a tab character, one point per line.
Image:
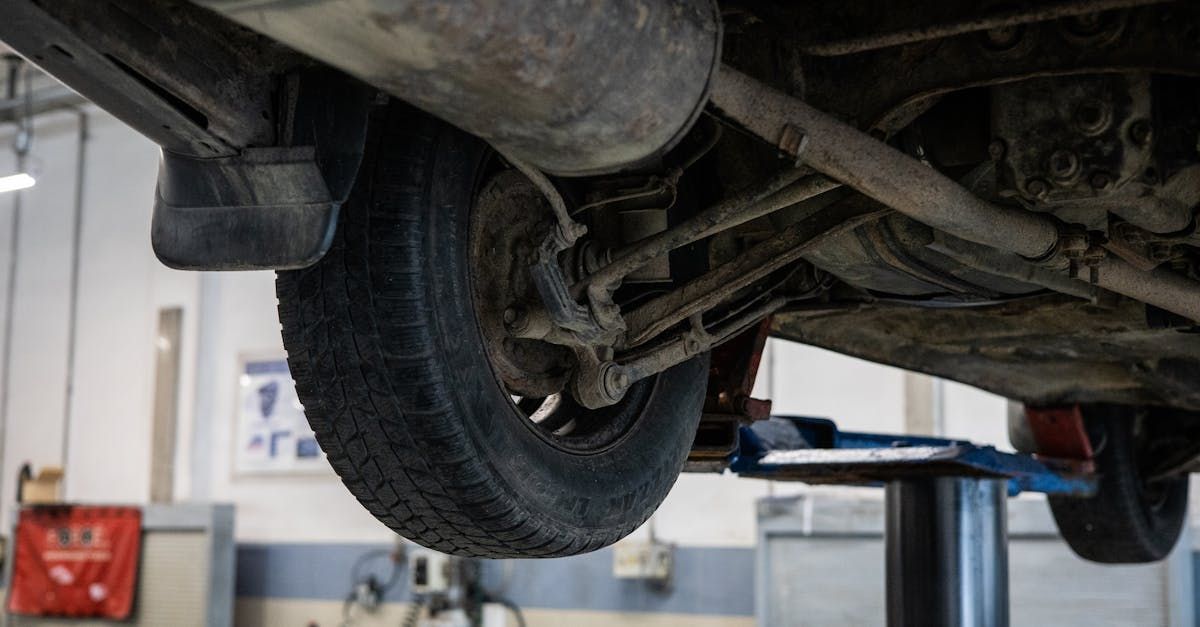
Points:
1131	519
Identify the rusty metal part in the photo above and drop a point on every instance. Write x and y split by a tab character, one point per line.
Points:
848	28
732	370
1008	265
1082	147
547	82
721	283
1145	250
1044	350
881	172
570	323
717	438
1059	432
920	192
786	189
593	330
696	341
1162	288
192	82
508	217
568	229
1158	39
598	380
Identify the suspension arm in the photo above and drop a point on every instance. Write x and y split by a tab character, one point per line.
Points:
785	189
721	283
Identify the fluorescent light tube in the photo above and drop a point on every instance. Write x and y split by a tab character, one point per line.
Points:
16	181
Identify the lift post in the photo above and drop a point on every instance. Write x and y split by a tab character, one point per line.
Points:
946	508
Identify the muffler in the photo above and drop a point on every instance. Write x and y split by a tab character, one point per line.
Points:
574	87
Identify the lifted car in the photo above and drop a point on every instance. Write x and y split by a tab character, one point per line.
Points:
528	252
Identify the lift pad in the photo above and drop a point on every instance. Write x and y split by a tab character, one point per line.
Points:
946	503
831	456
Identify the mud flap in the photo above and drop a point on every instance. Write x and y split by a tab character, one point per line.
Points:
267	208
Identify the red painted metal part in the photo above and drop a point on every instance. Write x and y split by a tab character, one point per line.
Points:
1059	433
727	403
732	372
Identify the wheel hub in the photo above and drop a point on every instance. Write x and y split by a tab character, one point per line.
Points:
509	218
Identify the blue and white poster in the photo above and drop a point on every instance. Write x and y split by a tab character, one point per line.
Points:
272	434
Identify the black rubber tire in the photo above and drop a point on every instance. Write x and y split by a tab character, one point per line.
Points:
1127	521
390	365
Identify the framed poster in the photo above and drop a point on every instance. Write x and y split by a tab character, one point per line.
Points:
271	435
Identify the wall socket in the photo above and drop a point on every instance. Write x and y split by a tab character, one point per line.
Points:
651	561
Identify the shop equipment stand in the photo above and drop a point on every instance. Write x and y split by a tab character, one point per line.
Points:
946	514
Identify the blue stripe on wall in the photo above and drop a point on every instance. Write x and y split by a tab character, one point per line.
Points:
706	580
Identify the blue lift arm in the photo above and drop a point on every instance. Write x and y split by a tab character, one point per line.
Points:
828	455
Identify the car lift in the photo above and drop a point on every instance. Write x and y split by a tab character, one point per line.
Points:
946	507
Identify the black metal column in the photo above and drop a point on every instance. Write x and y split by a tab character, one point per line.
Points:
947	552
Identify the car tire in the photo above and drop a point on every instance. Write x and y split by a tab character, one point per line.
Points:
391	366
1129	520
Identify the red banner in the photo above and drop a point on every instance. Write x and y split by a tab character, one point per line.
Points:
76	561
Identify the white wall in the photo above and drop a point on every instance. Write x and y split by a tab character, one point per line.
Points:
122	286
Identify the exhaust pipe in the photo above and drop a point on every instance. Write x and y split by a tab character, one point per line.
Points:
573	87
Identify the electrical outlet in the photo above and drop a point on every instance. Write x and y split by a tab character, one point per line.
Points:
643	560
429	571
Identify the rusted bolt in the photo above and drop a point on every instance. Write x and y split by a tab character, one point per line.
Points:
997	149
1140	132
616	381
793	141
1093	116
1063	165
1037	188
1100	181
516	319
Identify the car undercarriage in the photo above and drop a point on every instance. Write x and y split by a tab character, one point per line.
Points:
1000	194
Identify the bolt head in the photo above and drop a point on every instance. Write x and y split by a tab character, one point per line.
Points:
1063	165
1100	181
1038	188
516	319
997	149
1093	116
1140	132
616	381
